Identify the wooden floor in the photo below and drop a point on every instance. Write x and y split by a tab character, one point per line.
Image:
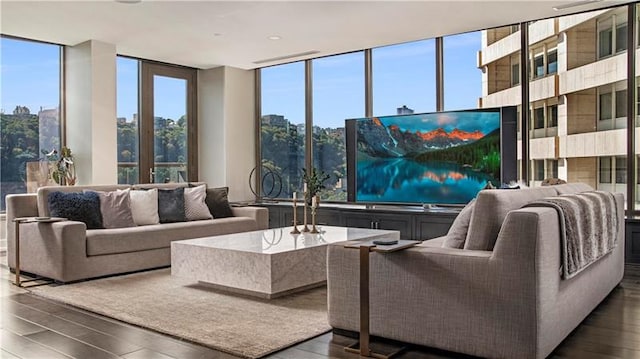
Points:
31	327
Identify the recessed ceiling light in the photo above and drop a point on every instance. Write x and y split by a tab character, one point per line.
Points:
274	37
217	34
573	4
128	1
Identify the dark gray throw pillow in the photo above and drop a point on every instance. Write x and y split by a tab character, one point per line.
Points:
457	234
218	202
76	206
171	205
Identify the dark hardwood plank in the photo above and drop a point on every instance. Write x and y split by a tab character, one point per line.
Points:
108	343
146	354
69	346
7	355
27	349
19	326
126	333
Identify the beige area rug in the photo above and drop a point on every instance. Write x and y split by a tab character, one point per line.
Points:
235	324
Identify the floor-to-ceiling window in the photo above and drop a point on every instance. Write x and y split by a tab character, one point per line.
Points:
29	112
128	119
462	78
404	78
282	129
156	117
338	94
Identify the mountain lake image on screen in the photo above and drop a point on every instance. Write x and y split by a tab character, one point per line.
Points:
434	158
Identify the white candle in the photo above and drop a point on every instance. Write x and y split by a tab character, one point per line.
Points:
304	188
314	202
295	195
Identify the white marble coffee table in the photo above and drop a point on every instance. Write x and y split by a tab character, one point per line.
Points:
266	263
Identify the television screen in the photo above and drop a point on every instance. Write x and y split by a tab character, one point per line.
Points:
432	158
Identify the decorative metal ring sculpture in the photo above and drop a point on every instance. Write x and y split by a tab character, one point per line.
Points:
269	176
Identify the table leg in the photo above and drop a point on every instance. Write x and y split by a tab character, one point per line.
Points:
17	250
364	301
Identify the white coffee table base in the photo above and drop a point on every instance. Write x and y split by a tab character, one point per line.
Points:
250	263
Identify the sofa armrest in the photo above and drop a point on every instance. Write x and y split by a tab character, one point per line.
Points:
259	214
50	249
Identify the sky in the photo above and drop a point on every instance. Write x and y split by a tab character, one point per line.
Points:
403	74
29	75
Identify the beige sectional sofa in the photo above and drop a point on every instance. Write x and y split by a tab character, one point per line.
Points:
67	251
506	302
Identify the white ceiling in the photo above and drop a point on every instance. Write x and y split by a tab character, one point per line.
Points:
205	34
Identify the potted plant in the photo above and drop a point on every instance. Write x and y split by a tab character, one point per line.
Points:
314	181
62	168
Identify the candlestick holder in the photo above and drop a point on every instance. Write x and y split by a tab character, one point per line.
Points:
295	218
306	227
313	220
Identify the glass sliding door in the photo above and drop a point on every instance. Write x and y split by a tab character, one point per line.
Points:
168	141
128	120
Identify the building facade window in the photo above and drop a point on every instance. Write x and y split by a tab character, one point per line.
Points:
30	114
612	34
621	169
544	61
538	170
552	61
538	118
515	72
552	116
605	170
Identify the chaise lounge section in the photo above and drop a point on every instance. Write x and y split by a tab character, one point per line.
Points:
505	302
67	251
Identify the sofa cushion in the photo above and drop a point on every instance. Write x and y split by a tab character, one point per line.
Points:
195	207
457	234
571	188
144	206
218	202
115	208
490	210
171	205
76	206
134	239
43	194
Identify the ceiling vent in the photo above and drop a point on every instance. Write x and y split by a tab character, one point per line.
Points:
286	57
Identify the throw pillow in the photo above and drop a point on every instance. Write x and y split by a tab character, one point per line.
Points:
144	206
218	202
458	232
171	205
195	207
76	206
115	207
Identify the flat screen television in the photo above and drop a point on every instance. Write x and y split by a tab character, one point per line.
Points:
442	158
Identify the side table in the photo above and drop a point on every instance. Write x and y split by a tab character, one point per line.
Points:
18	221
362	347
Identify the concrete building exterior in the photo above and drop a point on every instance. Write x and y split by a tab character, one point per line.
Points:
578	72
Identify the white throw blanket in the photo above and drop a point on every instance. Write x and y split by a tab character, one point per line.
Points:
588	227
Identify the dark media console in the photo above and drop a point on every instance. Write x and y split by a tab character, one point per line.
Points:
412	222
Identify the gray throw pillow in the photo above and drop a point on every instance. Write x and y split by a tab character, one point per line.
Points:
458	232
76	206
171	205
218	202
195	207
115	207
